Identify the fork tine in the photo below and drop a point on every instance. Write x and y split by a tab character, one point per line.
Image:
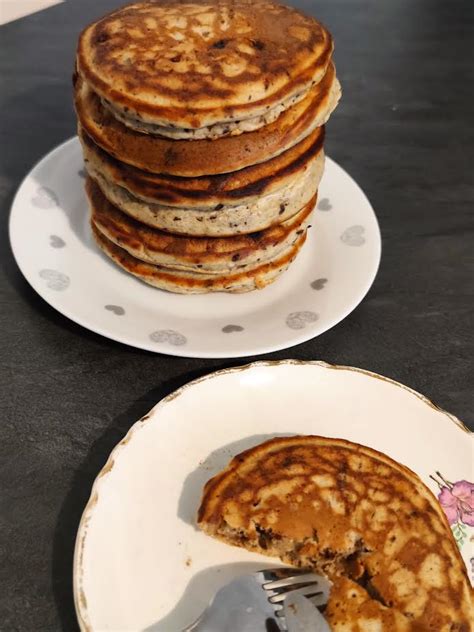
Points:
320	599
294	588
306	591
292	580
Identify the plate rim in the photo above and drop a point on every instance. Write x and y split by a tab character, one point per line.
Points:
80	602
183	351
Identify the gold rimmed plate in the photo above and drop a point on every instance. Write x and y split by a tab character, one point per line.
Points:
140	562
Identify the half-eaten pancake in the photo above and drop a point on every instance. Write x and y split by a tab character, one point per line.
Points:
357	516
186	282
205	65
249	200
205	157
199	254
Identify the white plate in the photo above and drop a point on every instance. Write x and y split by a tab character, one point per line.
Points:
140	563
53	246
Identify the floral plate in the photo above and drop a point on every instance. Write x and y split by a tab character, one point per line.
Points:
53	246
141	564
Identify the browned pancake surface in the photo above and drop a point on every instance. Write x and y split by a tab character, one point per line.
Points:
190	282
195	62
143	241
199	157
351	512
215	190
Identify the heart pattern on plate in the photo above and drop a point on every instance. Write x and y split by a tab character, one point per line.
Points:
115	309
228	329
324	205
353	236
170	336
56	242
55	280
45	198
318	284
299	320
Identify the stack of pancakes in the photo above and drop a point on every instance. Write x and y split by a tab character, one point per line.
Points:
202	128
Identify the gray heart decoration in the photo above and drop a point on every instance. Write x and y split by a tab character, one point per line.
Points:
45	198
353	236
55	280
115	309
324	205
228	329
170	336
299	320
56	242
318	284
82	173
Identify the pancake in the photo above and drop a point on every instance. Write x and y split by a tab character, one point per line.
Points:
160	155
357	516
186	282
204	193
192	68
227	220
248	200
202	254
352	609
222	220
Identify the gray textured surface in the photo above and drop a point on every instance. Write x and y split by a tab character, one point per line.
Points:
404	130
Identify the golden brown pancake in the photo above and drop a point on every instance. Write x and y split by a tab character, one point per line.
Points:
206	192
187	282
199	254
191	64
205	157
352	609
236	203
223	220
357	516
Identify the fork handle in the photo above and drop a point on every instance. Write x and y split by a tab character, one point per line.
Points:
221	621
238	607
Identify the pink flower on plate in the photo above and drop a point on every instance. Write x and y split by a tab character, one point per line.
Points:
449	504
458	502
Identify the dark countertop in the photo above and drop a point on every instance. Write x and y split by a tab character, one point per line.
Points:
404	130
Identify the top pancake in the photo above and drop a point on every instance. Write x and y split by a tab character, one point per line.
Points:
352	513
191	64
157	154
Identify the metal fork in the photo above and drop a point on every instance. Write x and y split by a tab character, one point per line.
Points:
254	603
